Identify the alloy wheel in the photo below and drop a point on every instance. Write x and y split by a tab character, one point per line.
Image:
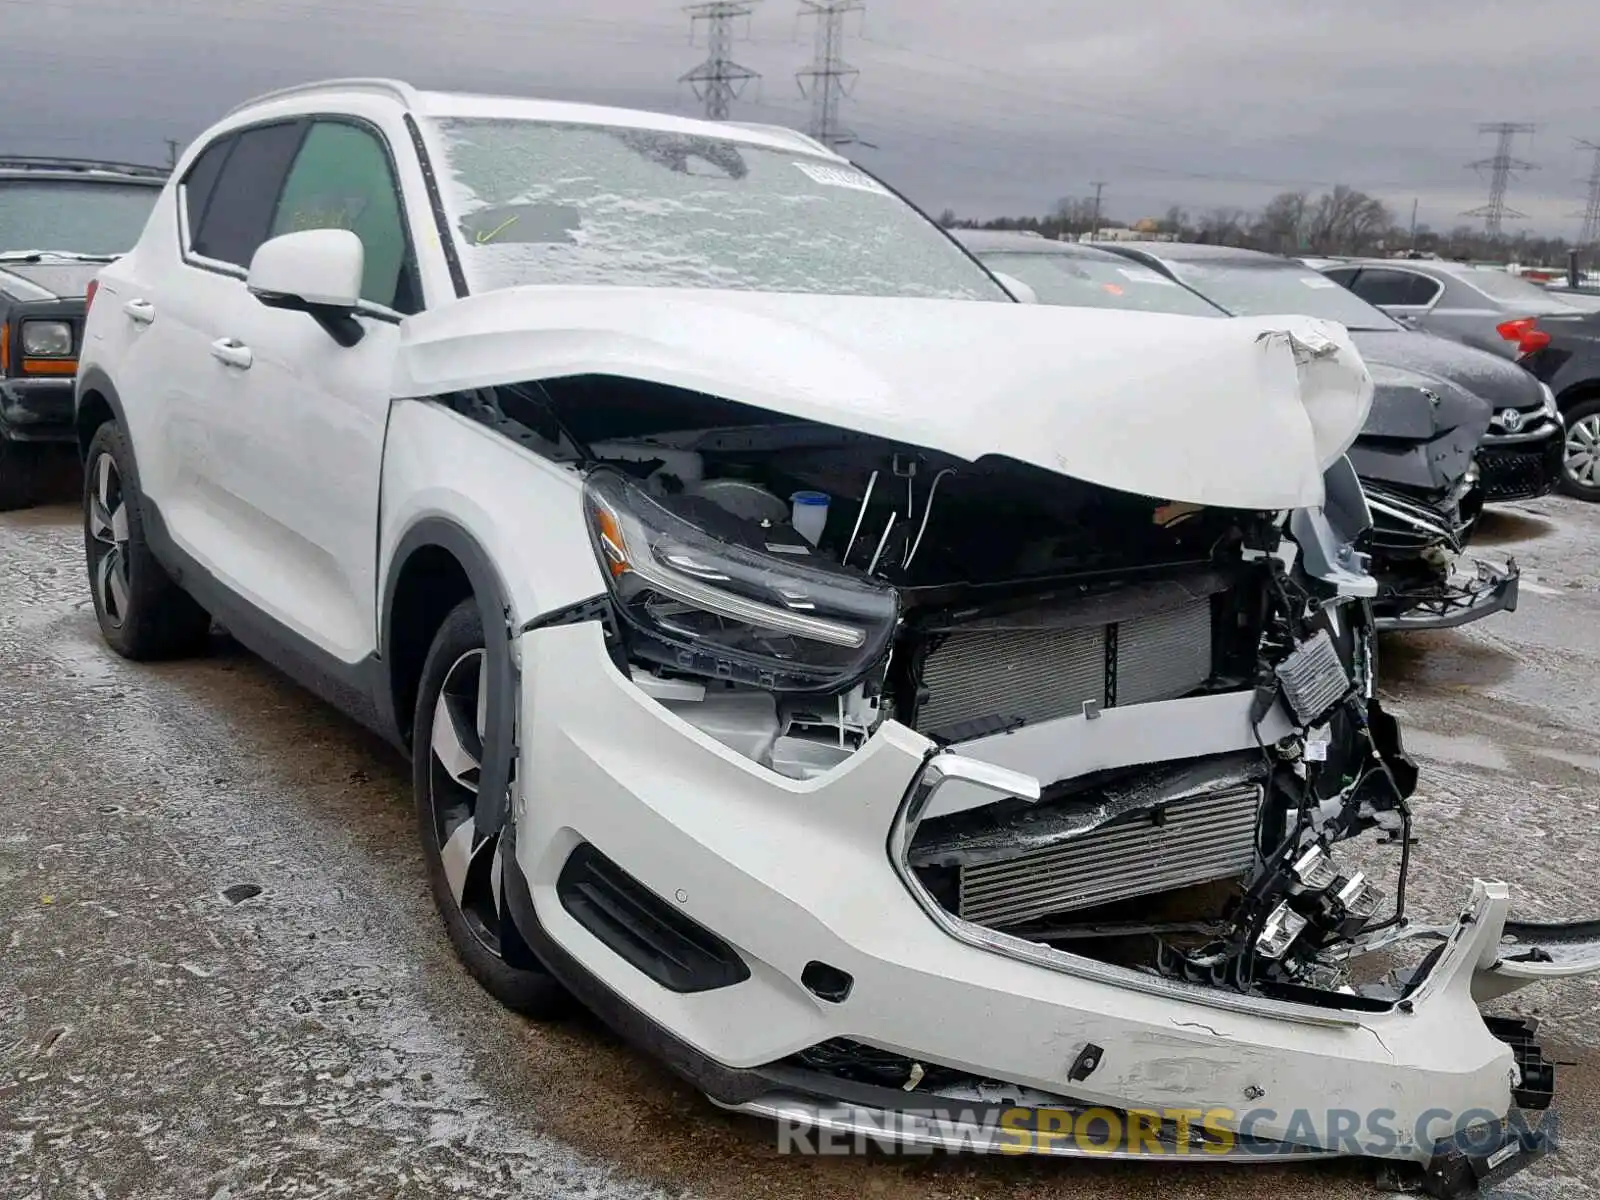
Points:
108	531
471	859
1583	451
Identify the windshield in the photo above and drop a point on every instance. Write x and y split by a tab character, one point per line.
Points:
1511	290
1098	283
83	218
1272	288
537	202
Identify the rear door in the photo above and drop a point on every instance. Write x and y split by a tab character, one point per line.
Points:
308	415
1406	296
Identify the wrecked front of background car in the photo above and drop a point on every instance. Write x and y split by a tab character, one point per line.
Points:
938	756
1417	462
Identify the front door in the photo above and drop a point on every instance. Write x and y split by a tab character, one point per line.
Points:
307	469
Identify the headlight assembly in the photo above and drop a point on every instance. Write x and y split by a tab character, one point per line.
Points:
46	339
711	606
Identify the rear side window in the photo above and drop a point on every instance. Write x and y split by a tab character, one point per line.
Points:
1377	285
201	180
342	179
239	211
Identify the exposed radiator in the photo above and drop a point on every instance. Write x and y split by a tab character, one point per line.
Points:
1040	673
1197	840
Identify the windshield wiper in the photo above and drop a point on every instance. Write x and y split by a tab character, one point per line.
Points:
33	256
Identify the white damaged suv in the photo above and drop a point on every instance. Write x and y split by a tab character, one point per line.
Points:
899	708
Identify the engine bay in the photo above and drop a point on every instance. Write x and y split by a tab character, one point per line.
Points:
786	587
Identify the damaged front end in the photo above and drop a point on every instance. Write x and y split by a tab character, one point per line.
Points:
1417	461
892	785
1151	727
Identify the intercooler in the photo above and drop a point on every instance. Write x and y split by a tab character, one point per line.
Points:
1190	841
1044	666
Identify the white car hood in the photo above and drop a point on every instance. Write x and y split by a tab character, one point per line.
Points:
1241	413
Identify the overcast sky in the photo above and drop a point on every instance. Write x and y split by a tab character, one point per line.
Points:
989	108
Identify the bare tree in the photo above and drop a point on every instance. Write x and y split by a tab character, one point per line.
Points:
1281	227
1347	221
1223	227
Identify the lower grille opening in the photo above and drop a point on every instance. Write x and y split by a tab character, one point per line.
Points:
678	953
1157	850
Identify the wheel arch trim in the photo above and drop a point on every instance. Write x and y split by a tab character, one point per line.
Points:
492	597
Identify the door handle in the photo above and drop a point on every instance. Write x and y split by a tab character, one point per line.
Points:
141	311
232	353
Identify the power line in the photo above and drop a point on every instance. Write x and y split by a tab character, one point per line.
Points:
1591	215
832	79
719	80
1500	167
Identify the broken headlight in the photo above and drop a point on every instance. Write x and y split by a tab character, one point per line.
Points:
710	606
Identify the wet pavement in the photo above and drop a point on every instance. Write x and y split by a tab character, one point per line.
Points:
221	974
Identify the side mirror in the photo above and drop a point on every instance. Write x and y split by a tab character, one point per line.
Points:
317	272
1020	291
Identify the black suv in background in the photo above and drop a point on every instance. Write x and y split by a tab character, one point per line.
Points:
61	220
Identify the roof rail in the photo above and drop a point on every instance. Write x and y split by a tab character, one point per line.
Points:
393	88
40	162
793	136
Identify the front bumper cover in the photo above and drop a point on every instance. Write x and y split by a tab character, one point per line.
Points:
36	410
793	873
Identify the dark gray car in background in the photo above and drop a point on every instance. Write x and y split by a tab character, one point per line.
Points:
1478	306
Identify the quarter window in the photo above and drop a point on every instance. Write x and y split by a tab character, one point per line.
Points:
239	211
1395	289
201	180
342	179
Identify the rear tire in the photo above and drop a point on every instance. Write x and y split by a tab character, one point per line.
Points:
464	869
1580	472
19	474
143	614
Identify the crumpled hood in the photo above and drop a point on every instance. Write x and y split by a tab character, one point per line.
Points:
1235	413
1414	404
1499	382
49	280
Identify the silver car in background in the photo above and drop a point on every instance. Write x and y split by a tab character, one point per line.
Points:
1481	306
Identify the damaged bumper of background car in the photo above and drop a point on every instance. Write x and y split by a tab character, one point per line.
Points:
1472	590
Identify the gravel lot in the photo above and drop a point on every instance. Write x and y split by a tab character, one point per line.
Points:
221	975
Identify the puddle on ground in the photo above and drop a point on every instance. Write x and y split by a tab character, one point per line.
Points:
1444	658
1501	526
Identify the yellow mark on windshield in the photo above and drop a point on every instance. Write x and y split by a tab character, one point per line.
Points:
485	236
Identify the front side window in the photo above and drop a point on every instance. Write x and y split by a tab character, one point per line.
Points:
73	217
239	209
1098	283
341	179
534	202
1246	288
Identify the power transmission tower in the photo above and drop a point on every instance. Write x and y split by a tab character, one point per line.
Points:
1500	167
719	80
831	77
172	152
1591	215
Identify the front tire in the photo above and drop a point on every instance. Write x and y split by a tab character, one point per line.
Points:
464	865
143	614
1580	472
